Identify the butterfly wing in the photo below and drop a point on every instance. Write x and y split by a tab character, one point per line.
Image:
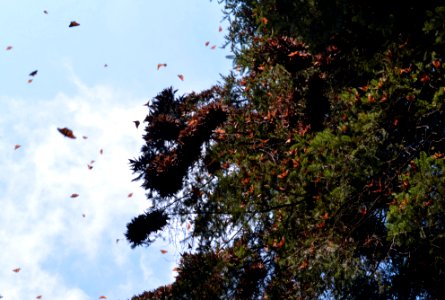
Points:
66	132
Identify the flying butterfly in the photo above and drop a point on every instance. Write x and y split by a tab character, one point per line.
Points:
33	73
161	65
180	76
74	195
16	270
137	123
66	132
73	24
8	48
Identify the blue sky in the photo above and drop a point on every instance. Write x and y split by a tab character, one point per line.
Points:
66	247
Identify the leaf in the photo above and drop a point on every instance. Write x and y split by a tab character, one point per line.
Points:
180	76
74	195
66	132
73	24
137	123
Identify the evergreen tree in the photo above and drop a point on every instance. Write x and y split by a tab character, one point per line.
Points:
316	170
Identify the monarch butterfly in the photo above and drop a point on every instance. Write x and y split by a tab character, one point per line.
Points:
73	24
74	195
163	251
161	65
130	195
17	146
66	132
16	270
181	77
207	43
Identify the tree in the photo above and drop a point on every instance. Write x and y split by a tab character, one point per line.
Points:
316	170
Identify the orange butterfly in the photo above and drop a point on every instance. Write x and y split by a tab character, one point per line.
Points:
161	65
74	195
163	251
181	77
29	80
103	297
213	47
73	24
16	270
17	146
66	132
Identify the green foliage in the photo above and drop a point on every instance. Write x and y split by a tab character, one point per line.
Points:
317	170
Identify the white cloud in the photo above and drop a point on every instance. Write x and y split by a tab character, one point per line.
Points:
64	255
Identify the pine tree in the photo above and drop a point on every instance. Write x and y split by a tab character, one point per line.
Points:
316	170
